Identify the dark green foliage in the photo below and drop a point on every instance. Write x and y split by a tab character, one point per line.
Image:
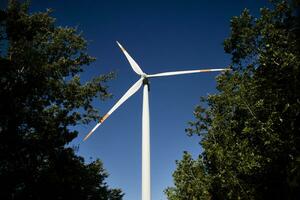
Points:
250	130
41	96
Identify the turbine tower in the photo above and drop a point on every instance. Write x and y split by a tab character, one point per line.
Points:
146	176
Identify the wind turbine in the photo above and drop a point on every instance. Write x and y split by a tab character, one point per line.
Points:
146	179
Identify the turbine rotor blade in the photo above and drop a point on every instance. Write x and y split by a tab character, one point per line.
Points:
134	88
185	72
132	62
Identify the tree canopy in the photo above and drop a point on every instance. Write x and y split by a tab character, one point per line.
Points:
41	97
249	131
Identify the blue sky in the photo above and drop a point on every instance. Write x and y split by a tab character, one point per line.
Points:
160	36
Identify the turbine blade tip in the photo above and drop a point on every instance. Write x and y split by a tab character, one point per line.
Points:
86	137
121	47
119	44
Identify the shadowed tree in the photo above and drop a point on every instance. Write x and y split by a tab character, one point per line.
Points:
249	131
41	97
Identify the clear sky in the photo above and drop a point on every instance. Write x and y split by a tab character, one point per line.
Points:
160	36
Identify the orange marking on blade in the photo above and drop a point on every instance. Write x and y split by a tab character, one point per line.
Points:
204	70
103	118
122	49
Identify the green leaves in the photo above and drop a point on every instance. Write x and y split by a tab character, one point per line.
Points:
191	182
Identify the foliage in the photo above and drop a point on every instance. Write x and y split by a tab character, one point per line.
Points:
188	184
41	97
249	131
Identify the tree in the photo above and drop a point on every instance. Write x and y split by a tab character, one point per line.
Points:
249	131
41	97
190	180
